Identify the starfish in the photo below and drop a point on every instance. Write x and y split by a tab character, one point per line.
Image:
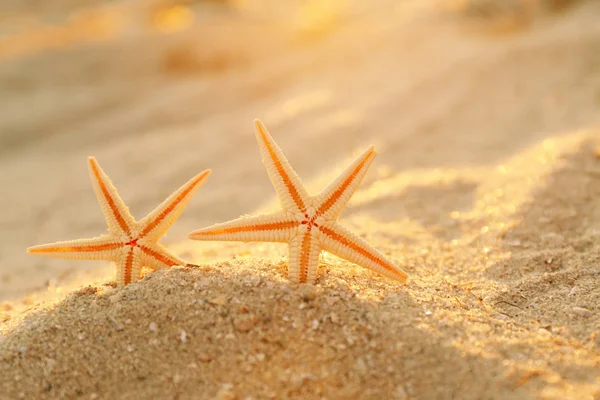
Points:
307	223
129	243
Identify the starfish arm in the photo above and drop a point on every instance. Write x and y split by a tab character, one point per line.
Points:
288	186
100	248
334	197
158	221
341	242
275	227
304	257
119	219
129	266
155	256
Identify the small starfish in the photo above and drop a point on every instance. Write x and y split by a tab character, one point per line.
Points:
130	244
307	223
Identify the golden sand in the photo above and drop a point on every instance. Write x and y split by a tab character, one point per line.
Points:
485	191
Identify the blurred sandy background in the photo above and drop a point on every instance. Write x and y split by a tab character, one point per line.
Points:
485	116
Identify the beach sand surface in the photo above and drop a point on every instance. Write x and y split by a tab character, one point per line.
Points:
485	191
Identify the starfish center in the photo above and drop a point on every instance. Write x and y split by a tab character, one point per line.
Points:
132	243
310	221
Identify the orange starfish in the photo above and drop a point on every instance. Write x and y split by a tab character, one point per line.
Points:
307	223
130	244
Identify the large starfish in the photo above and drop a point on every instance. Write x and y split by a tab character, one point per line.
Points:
307	223
129	243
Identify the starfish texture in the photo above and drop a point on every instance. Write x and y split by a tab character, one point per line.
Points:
307	223
129	243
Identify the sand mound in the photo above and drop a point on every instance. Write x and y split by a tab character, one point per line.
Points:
240	330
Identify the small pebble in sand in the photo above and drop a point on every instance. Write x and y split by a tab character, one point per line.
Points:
115	298
118	326
307	292
183	336
246	324
334	318
297	381
584	312
153	327
219	300
177	378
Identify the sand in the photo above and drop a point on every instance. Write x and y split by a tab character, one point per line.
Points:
484	190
